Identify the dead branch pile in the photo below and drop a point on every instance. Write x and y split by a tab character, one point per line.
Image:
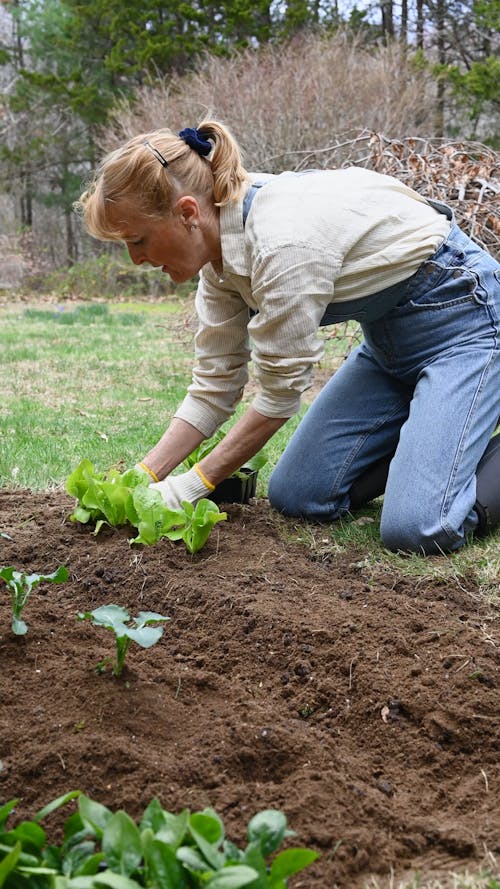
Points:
465	175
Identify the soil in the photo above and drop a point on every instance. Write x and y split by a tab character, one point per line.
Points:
361	702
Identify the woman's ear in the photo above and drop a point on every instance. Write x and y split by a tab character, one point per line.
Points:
188	211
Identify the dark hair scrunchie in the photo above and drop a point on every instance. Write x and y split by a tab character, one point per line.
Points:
195	141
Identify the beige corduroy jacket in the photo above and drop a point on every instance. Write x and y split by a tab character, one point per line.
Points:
308	241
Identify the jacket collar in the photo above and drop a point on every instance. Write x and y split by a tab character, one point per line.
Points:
232	235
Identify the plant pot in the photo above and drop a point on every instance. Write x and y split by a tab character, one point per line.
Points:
237	488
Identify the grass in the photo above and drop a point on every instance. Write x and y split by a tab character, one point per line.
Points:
93	381
87	381
102	381
451	881
360	534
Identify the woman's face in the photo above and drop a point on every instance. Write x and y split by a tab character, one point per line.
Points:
180	244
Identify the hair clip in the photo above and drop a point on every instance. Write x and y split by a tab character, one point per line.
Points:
158	155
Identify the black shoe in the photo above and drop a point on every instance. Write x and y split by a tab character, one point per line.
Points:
487	503
371	483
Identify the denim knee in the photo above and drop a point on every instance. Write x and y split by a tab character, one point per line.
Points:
283	495
402	539
408	531
302	498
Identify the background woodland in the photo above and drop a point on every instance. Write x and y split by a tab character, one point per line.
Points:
412	88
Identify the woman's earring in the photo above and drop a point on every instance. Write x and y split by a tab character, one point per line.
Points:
193	226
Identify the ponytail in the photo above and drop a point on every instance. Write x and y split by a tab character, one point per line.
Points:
227	168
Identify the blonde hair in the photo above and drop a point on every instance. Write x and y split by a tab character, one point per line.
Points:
132	173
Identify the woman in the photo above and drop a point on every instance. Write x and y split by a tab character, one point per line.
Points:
411	411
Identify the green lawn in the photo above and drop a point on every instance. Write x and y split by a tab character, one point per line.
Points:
91	381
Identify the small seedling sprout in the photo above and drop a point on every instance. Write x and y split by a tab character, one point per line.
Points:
20	586
118	620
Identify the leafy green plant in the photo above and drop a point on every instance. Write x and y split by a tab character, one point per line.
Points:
101	848
117	498
189	523
104	497
118	620
20	586
198	523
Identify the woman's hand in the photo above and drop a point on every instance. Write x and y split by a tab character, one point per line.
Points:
188	486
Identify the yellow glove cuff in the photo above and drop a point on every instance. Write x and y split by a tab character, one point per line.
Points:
149	472
201	474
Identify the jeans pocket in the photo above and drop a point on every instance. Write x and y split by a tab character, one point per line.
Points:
438	286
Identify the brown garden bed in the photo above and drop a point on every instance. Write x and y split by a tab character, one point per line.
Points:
362	703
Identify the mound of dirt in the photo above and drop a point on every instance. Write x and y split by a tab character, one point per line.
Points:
364	704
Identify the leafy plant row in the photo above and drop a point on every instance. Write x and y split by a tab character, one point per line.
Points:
117	498
102	849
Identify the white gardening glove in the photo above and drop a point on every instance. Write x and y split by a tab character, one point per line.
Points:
191	486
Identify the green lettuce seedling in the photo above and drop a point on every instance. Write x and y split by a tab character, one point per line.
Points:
117	498
103	497
192	524
200	520
21	585
115	618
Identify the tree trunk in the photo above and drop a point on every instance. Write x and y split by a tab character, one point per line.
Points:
26	199
25	178
387	20
71	246
420	24
441	53
404	23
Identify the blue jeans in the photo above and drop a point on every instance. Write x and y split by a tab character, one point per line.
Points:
424	386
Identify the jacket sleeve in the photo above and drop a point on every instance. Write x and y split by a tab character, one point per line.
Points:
222	353
292	287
